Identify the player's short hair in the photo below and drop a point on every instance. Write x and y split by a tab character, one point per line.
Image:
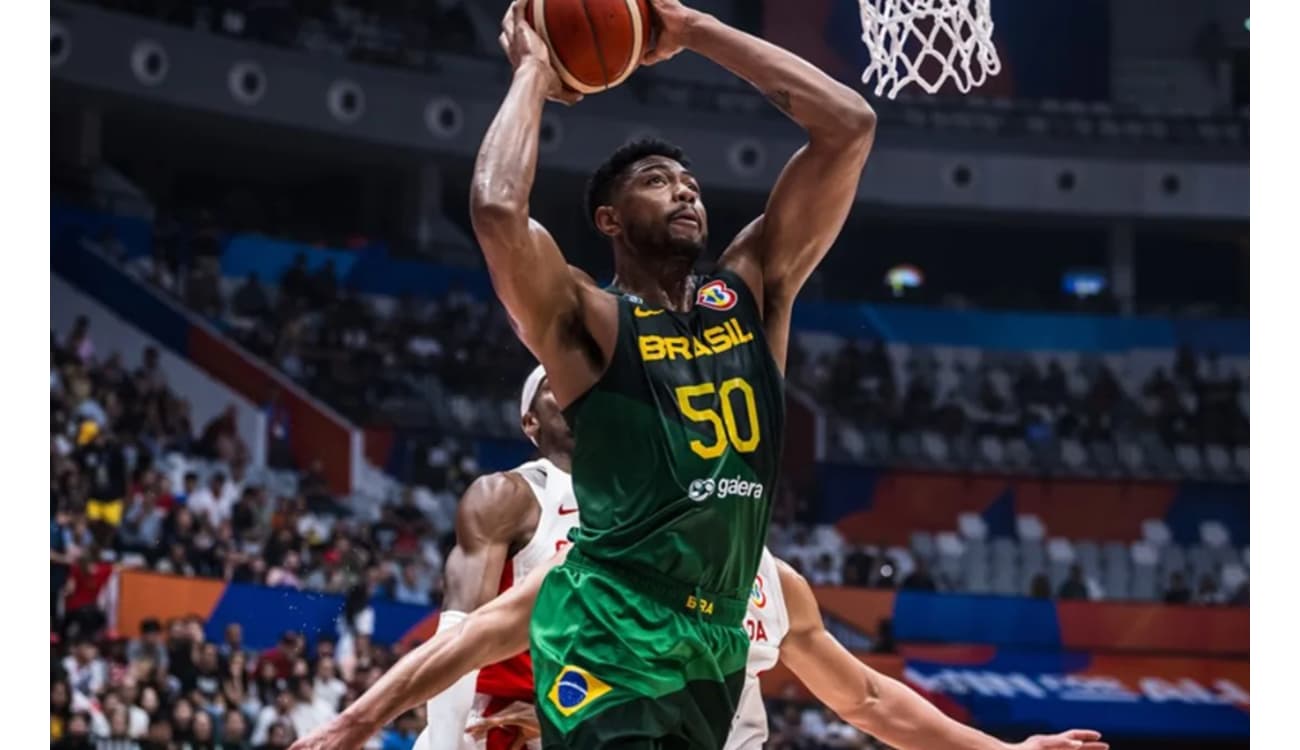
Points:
600	187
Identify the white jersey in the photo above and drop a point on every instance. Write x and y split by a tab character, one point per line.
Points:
766	622
558	515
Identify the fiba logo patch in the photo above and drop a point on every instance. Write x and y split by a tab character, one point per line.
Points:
716	295
574	689
701	490
757	594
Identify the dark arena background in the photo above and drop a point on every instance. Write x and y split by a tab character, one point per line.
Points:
1017	450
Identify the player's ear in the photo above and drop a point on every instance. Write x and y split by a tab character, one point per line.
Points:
607	221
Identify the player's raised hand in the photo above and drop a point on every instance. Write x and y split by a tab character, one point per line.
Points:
1075	739
673	22
523	45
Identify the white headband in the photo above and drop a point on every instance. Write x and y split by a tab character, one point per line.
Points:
531	385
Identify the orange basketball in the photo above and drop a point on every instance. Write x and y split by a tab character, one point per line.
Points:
595	44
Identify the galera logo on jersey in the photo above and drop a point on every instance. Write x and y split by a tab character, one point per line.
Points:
703	489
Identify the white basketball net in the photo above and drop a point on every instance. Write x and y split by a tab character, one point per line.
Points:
953	39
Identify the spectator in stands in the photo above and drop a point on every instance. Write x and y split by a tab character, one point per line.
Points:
413	587
87	578
76	733
1207	591
857	567
277	713
250	299
234	729
403	734
103	459
355	625
279	454
203	731
1040	587
824	573
220	439
295	284
325	285
920	578
281	657
1074	586
78	341
885	637
87	672
212	503
327	686
1178	592
60	708
149	646
285	574
189	485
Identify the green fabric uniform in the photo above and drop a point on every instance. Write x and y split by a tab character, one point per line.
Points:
636	639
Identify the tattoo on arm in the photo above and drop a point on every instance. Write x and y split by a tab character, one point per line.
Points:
781	99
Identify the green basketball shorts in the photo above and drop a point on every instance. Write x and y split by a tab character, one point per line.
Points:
623	660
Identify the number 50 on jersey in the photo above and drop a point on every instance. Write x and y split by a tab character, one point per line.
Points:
732	396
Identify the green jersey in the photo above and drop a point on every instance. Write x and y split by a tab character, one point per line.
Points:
678	445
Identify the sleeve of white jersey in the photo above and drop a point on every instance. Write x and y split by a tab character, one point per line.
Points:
448	711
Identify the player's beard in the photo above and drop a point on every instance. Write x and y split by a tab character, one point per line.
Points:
656	241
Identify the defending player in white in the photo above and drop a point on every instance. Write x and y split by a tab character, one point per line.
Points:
783	621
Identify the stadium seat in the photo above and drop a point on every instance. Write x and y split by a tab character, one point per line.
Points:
1018	455
1060	551
935	448
1074	456
909	447
851	442
923	545
1173	559
1003	550
1218	460
1189	459
949	544
972	526
992	452
1030	528
1214	534
1156	532
1232	578
1145	554
1088	556
1131	456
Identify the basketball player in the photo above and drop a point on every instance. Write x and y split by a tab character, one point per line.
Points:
783	623
506	525
671	382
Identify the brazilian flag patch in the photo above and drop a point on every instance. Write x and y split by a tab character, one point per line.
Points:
574	689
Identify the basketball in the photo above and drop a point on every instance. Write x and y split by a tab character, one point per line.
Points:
595	44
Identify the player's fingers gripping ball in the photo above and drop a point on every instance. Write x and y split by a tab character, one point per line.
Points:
594	44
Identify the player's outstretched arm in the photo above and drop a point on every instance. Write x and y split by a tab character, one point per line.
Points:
528	270
495	631
812	197
878	704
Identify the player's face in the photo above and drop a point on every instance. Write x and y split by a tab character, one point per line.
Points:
546	421
661	208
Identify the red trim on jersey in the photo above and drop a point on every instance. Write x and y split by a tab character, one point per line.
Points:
510	680
500	738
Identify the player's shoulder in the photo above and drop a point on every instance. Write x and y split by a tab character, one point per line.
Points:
494	496
536	472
